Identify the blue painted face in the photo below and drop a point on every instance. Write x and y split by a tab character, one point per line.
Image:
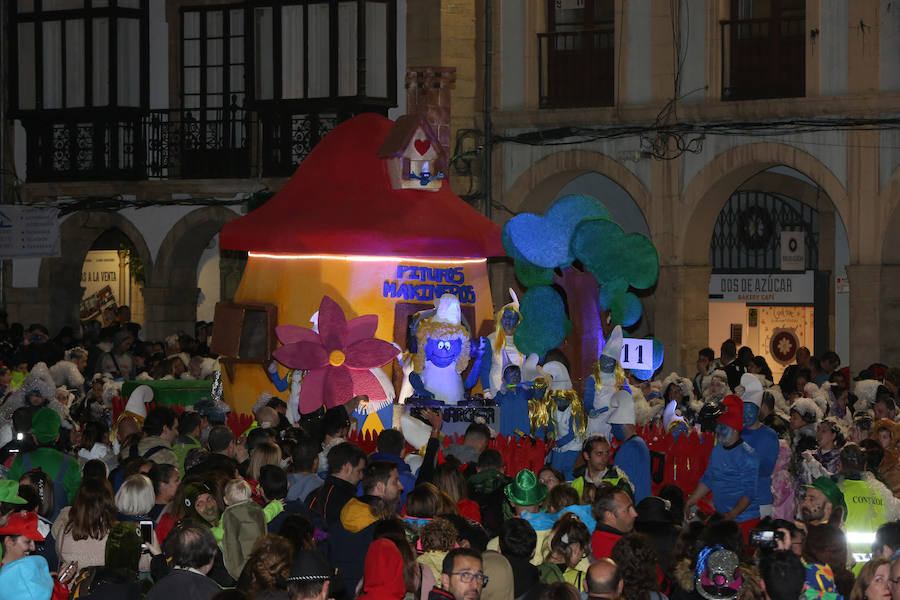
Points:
724	434
442	353
509	320
618	432
751	413
512	375
607	364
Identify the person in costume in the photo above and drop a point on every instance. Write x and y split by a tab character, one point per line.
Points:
497	351
608	378
569	418
733	470
442	353
633	456
515	397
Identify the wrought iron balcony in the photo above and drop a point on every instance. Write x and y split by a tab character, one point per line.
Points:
576	68
124	144
763	58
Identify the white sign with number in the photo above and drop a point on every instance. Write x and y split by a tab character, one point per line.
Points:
636	354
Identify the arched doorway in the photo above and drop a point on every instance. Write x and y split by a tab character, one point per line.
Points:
190	271
112	276
778	253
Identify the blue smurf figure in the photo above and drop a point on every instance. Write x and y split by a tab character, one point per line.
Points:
513	402
496	352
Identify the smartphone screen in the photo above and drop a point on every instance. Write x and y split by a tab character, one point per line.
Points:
146	531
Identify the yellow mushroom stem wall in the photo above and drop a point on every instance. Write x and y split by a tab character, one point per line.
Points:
362	286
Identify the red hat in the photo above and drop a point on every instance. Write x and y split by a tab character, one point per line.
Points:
23	523
734	412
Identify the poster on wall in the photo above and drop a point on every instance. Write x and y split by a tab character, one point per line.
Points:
100	278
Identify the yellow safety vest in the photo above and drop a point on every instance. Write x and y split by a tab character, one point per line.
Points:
865	514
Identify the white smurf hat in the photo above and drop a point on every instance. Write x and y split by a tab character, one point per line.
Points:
753	390
613	347
622	409
137	401
559	375
448	310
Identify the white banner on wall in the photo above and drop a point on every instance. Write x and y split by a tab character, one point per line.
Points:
28	231
762	288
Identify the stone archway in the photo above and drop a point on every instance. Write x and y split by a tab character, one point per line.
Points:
171	303
701	202
534	189
709	190
59	279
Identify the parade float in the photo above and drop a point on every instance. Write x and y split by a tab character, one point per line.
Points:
369	221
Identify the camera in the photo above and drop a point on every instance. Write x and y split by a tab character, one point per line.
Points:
765	539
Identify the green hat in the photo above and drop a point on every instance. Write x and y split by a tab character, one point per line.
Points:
526	490
45	425
9	492
832	492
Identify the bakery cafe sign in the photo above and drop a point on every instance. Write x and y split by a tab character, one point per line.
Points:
762	288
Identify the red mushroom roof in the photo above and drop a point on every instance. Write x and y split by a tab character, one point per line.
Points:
340	201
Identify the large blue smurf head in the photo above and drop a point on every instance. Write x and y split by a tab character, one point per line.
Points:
442	338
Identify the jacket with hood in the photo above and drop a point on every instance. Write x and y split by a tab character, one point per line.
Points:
407	479
329	499
383	572
242	524
349	539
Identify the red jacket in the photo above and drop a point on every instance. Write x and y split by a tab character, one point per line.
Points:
603	539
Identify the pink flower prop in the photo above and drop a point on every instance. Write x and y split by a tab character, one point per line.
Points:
337	358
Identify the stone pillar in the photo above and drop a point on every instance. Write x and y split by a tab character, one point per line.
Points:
890	316
681	316
865	315
428	91
168	310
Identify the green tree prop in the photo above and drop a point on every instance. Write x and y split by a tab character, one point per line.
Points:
579	248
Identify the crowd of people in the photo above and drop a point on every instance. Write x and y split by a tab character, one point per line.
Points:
797	498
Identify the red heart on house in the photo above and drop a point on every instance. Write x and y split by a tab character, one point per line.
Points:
422	146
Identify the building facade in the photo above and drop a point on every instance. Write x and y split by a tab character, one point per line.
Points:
712	126
716	126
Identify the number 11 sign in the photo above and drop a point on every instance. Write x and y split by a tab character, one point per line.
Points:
636	354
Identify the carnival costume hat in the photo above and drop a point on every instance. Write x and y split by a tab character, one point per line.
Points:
753	390
807	409
672	418
137	402
526	490
530	368
192	491
831	491
39	382
45	425
23	523
622	405
734	412
9	492
559	379
613	347
718	575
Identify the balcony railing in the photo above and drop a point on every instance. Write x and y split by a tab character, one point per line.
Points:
125	144
576	68
763	58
